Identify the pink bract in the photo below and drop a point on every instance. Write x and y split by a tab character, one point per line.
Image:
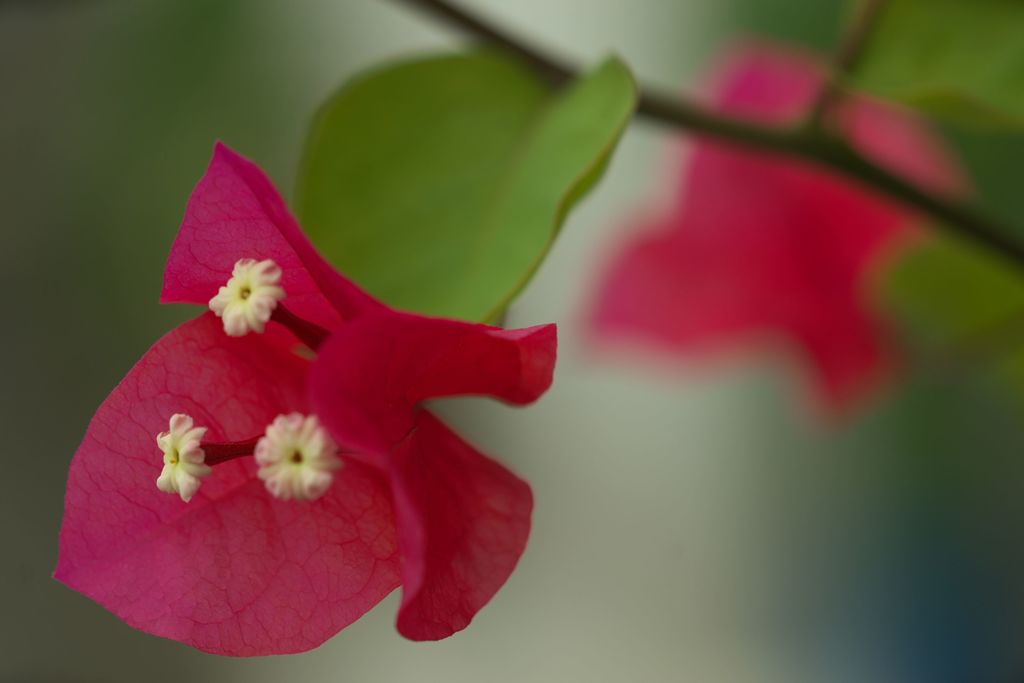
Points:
758	245
238	572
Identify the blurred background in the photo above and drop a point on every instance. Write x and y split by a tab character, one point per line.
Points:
697	524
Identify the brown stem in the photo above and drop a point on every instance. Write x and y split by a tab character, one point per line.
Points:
804	143
850	50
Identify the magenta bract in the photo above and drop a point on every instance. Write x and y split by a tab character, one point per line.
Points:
238	572
758	245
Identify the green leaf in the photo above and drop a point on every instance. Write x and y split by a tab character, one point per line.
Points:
947	292
439	185
963	308
959	59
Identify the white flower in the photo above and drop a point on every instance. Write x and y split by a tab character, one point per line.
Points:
297	457
247	301
184	464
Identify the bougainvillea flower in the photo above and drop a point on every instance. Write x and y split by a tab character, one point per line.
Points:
758	245
354	488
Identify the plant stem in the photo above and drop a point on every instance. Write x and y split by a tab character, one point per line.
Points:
850	49
804	143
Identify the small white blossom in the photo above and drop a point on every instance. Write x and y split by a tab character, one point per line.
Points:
247	301
184	459
296	457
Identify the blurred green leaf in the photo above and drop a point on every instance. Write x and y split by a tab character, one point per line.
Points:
440	184
963	308
959	59
949	293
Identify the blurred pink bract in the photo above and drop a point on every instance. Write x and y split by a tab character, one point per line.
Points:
238	572
759	244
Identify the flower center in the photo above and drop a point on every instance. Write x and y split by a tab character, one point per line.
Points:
250	296
297	457
184	459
